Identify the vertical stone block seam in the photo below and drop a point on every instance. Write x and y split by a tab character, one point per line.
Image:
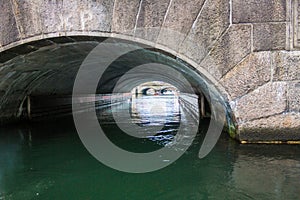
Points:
137	16
194	21
16	11
244	58
289	21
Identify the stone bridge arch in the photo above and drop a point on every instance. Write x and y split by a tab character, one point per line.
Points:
159	87
166	89
247	49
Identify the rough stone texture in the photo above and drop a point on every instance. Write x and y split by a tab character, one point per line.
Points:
269	36
265	101
286	65
88	15
258	11
296	22
208	27
8	26
284	127
27	13
253	72
76	15
151	18
124	16
179	18
52	16
229	51
294	96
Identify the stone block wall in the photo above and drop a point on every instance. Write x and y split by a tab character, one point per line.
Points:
263	87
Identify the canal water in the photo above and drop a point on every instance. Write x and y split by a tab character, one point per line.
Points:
46	160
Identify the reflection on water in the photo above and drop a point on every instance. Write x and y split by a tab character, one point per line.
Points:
48	161
155	110
162	112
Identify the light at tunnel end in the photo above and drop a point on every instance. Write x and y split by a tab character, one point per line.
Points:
92	135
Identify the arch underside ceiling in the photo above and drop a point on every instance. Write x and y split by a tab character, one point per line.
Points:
51	70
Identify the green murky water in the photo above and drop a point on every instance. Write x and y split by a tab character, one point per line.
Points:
47	160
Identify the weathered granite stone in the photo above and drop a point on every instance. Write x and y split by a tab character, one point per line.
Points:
269	36
295	23
294	96
179	18
208	27
88	15
27	14
182	14
124	16
253	72
52	18
8	27
286	65
151	18
265	101
229	51
283	127
258	11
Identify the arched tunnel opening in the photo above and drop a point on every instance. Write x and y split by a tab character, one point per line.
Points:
94	79
155	88
38	89
37	79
